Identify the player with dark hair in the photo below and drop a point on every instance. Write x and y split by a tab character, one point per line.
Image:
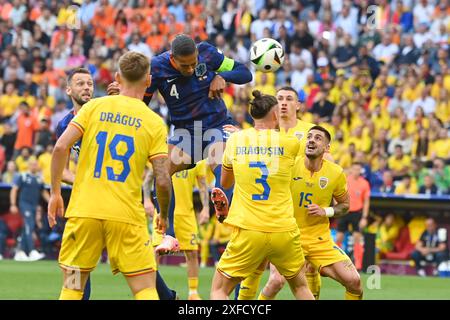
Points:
191	78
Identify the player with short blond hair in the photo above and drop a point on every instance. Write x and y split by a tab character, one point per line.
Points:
120	133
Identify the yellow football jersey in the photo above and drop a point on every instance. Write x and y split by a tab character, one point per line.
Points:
300	131
183	186
262	162
318	188
119	134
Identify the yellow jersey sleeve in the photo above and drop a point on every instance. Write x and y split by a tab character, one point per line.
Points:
227	160
159	145
341	186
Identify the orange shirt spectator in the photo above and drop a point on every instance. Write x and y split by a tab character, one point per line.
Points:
27	125
196	8
104	17
160	9
63	36
52	75
35	13
359	190
5	10
155	41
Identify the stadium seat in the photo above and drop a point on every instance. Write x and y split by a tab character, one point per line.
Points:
14	223
402	246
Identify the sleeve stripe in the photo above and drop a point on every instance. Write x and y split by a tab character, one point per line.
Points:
148	94
341	197
229	168
158	155
227	65
78	126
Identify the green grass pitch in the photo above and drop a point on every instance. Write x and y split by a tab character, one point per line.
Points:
42	280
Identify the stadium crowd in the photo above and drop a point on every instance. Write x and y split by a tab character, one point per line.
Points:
378	80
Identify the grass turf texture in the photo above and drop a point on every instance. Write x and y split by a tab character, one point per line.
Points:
43	280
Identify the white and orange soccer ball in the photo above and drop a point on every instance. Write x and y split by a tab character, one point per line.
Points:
267	55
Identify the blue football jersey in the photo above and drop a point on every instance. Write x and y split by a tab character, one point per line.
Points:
62	126
187	97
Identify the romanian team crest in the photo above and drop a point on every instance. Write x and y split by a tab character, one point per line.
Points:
200	70
299	135
323	182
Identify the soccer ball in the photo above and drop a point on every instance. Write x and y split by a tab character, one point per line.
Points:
267	55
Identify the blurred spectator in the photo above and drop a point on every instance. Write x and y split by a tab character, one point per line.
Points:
22	160
177	9
27	125
376	178
139	46
87	11
345	55
24	199
421	146
299	75
425	101
44	162
423	13
44	136
59	113
406	186
386	51
388	183
9	102
260	24
7	140
388	233
47	21
347	20
428	187
409	52
10	173
322	107
440	147
441	175
432	247
18	12
399	163
404	140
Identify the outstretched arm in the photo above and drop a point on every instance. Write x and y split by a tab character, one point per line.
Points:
234	72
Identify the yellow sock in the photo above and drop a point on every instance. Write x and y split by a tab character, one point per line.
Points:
193	285
204	253
314	283
264	297
250	286
352	296
69	294
147	294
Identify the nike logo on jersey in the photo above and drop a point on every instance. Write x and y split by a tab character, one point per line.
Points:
297	178
170	80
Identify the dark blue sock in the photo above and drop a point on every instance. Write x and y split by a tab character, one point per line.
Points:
228	192
164	292
236	291
87	289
